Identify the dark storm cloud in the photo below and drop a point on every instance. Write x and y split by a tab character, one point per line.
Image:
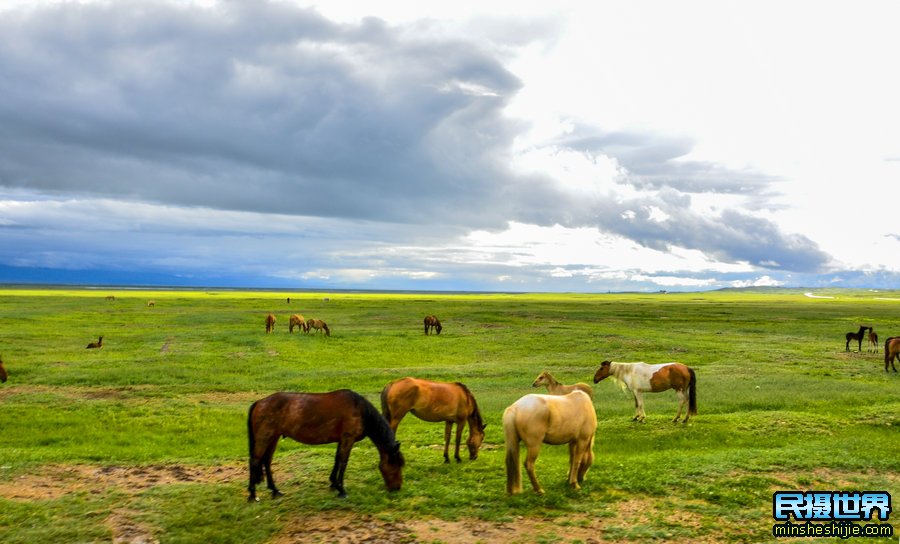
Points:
271	108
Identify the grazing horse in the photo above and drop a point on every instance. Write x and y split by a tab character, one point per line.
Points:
891	351
435	402
298	321
270	323
872	344
319	325
857	336
556	388
3	374
549	419
642	378
341	416
151	303
98	344
432	323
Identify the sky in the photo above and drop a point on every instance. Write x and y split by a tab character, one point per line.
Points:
487	146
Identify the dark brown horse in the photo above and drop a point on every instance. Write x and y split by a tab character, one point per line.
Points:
872	344
341	416
96	345
432	323
891	352
435	402
298	321
856	336
270	323
3	374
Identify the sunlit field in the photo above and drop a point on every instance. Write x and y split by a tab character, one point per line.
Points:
145	439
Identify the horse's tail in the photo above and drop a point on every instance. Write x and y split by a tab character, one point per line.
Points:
385	406
256	469
887	355
692	393
511	437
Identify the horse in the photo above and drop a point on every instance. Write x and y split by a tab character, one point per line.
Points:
270	323
891	351
556	388
298	321
641	378
858	336
435	402
319	325
873	341
341	416
151	303
3	374
96	345
110	298
432	323
549	419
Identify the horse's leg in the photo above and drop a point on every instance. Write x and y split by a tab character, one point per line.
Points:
448	427
847	347
639	402
267	464
574	463
334	470
459	430
532	451
587	459
682	402
344	447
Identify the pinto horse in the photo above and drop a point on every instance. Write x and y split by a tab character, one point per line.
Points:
872	344
432	323
341	416
891	351
556	388
96	345
270	323
435	402
549	419
298	321
642	378
3	374
856	336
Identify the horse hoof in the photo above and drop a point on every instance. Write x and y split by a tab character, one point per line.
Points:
276	494
253	498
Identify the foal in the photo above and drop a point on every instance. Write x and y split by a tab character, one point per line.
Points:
872	344
556	388
858	336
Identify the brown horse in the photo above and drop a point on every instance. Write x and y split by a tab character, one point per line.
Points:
319	325
872	344
432	323
151	303
270	323
341	416
556	388
3	374
856	336
891	351
435	402
641	378
298	321
549	419
96	345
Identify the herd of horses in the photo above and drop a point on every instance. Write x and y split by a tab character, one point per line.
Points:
891	345
565	416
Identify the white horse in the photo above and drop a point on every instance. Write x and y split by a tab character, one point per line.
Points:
549	419
641	378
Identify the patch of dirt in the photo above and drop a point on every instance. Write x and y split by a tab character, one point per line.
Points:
165	347
127	531
55	481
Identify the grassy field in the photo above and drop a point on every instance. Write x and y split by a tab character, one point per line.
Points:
145	439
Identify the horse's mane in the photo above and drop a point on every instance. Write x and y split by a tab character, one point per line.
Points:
476	413
376	427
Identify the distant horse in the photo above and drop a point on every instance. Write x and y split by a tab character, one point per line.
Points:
341	416
97	344
857	336
298	321
891	351
110	298
549	419
642	378
3	374
319	325
151	303
270	323
872	344
434	402
556	388
432	323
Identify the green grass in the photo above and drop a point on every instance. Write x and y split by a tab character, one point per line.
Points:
781	406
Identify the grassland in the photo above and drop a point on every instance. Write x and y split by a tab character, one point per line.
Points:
145	439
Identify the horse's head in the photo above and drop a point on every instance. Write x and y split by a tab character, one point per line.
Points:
438	328
540	380
476	437
603	371
391	467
